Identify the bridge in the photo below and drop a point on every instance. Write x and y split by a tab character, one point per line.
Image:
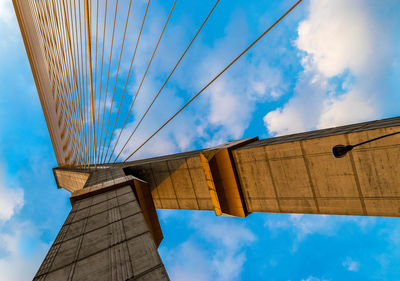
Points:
112	231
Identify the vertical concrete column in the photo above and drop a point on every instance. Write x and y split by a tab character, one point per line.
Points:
105	237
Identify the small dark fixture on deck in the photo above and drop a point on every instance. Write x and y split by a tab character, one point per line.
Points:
340	150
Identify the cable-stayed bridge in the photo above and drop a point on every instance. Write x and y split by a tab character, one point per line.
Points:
76	51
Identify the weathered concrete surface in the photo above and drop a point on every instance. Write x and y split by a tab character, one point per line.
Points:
288	174
301	176
105	237
71	180
293	174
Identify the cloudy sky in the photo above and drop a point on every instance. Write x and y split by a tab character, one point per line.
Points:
331	62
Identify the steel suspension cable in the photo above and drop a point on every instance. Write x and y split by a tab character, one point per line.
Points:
64	92
74	90
66	78
72	62
43	52
83	80
130	67
215	78
101	80
116	77
147	68
79	91
95	67
108	77
86	82
54	66
73	67
62	74
91	78
165	82
49	45
87	94
83	76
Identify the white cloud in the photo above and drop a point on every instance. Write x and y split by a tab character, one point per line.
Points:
238	234
8	29
349	108
312	278
6	13
22	251
305	226
233	97
11	200
302	111
224	259
158	146
349	55
229	257
337	35
224	110
350	264
193	263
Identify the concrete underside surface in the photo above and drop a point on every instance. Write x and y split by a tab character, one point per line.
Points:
292	174
288	174
105	237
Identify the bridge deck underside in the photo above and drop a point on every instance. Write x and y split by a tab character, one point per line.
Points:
288	174
303	177
294	174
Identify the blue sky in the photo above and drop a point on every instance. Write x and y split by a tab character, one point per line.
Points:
329	63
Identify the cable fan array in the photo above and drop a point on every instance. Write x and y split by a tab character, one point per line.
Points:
85	45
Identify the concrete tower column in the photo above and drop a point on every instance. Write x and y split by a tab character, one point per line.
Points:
105	237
